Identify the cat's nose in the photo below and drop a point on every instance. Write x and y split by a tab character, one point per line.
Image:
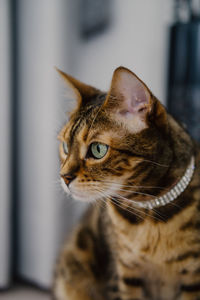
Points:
68	178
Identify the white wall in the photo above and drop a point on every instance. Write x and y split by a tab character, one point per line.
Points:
137	39
44	214
5	143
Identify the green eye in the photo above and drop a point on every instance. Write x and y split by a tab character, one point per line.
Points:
98	150
65	148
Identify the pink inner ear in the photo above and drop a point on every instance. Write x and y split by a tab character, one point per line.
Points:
133	92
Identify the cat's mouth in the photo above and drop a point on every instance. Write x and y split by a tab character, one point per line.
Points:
81	194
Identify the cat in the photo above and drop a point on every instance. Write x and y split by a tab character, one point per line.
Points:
140	170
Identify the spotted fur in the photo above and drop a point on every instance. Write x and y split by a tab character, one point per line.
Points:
118	251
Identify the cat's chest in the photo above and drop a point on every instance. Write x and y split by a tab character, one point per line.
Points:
146	252
142	253
146	242
144	247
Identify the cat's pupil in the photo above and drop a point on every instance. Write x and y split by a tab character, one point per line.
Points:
98	148
65	148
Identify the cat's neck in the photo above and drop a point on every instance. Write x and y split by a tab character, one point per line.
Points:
181	162
171	185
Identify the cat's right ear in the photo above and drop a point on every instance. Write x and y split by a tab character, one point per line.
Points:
82	92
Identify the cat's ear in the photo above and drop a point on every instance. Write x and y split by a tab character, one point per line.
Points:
82	92
130	101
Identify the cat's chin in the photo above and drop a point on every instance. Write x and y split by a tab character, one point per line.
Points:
82	198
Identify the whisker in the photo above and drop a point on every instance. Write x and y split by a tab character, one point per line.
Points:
133	186
149	215
130	209
151	161
137	193
119	204
97	203
161	216
176	205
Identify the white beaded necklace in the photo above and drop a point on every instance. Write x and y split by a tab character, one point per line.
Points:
173	193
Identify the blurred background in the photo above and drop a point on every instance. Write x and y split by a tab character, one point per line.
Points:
158	40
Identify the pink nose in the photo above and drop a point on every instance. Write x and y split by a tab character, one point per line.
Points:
68	178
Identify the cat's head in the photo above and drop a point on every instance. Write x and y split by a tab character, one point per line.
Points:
115	142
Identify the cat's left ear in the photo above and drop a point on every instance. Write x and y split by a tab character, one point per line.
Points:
82	92
130	102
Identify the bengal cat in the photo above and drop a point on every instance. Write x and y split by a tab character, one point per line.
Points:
140	170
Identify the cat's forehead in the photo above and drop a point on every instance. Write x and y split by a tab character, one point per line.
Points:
88	128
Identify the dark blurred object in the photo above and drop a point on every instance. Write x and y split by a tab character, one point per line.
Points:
94	17
184	67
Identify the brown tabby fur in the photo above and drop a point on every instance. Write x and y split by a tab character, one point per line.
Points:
119	252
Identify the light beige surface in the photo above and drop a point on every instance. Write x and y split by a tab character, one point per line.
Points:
24	293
